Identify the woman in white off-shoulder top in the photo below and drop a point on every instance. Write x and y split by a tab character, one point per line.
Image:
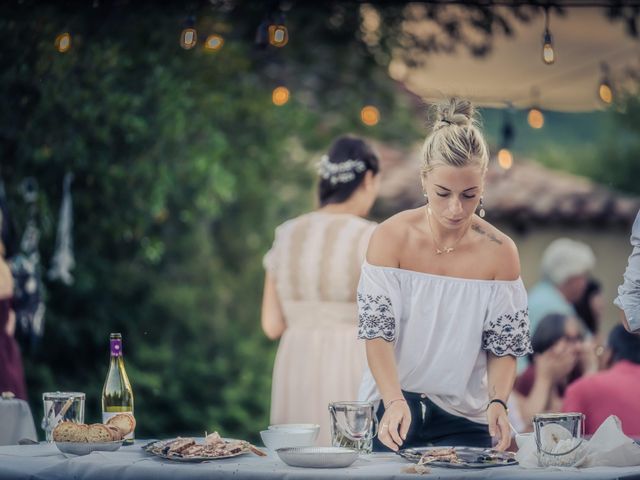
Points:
441	304
309	303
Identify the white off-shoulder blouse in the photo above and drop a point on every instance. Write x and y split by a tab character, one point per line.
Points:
442	328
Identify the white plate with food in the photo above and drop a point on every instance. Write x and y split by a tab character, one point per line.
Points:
458	457
213	447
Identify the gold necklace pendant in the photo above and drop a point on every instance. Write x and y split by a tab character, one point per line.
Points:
440	251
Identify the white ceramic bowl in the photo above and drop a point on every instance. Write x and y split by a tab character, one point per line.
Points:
295	426
288	438
318	457
85	448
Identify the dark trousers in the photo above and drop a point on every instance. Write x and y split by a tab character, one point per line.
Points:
432	426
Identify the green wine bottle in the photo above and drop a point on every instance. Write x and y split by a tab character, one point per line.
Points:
117	395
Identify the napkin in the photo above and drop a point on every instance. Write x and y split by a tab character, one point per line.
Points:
609	447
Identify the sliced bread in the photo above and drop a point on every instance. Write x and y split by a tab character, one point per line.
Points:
125	422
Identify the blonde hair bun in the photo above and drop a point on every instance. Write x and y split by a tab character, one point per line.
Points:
456	147
455	111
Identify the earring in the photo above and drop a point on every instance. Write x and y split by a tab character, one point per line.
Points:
424	194
481	213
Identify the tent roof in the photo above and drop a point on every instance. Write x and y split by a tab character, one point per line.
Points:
583	39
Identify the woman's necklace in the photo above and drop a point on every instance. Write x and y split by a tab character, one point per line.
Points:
439	250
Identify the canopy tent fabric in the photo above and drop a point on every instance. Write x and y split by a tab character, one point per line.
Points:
513	69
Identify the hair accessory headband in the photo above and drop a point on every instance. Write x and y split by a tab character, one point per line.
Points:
342	172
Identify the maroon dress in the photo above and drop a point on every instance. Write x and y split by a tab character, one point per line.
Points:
11	372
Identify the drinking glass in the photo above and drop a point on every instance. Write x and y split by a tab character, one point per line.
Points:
353	425
61	406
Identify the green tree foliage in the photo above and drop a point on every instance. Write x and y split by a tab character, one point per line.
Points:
183	167
610	157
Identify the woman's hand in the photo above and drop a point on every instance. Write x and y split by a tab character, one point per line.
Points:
394	425
499	425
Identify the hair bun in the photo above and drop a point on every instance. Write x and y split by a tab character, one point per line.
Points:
455	111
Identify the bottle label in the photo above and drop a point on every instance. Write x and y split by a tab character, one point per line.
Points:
116	347
107	415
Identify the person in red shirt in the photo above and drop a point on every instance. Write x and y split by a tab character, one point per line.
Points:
614	391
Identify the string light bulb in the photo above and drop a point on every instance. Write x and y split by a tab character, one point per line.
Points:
278	33
505	158
213	43
370	115
605	90
63	42
189	36
280	96
548	53
535	117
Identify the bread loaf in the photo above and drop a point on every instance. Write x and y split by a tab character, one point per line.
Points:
124	422
68	432
99	433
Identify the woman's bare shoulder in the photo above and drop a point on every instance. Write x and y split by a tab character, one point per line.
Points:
500	248
389	238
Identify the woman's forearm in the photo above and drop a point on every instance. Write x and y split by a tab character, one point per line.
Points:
382	362
501	373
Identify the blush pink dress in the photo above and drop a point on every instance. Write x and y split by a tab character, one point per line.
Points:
315	261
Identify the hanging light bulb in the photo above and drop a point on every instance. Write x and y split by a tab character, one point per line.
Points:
213	43
535	118
548	54
605	90
189	36
63	42
278	33
280	95
370	115
505	158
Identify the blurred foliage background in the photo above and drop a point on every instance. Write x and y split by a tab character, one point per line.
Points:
183	167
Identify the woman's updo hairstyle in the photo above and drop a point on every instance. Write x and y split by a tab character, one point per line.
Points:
455	139
342	170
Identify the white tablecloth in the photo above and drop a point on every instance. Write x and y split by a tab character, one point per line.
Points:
44	461
16	422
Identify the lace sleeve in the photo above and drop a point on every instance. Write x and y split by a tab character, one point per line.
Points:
506	327
375	317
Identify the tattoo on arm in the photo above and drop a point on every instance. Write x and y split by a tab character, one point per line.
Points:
477	228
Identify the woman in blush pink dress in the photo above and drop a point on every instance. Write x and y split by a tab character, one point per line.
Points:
309	302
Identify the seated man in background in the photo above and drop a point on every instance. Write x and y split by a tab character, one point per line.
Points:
614	391
564	272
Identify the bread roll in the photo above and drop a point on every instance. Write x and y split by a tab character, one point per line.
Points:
124	422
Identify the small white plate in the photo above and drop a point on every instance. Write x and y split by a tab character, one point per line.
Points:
85	448
318	457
